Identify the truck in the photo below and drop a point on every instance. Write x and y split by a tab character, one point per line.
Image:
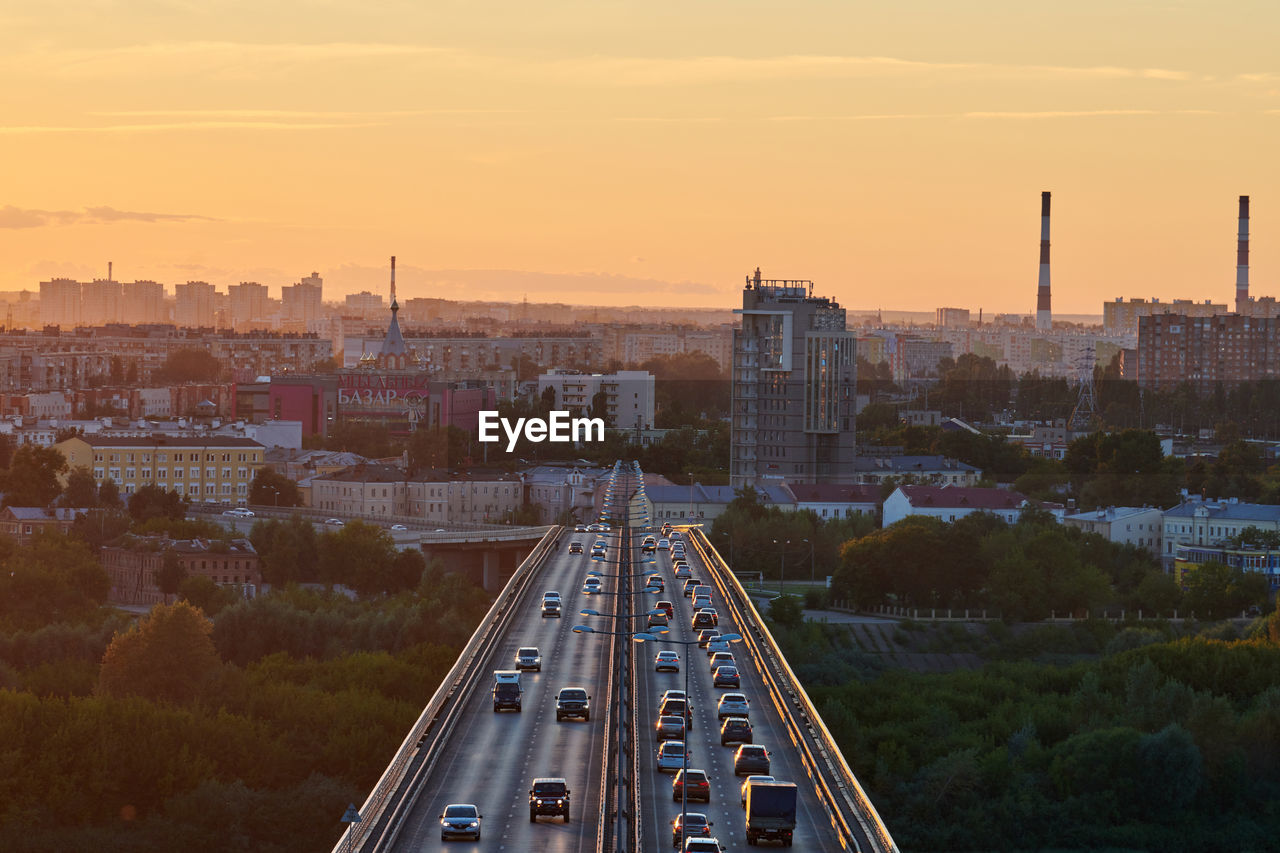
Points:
771	811
507	692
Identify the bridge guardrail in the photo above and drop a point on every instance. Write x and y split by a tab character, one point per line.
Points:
783	682
378	828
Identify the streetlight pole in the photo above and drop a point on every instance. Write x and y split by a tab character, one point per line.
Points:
813	578
782	565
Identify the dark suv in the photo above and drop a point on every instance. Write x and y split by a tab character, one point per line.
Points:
573	702
549	797
735	729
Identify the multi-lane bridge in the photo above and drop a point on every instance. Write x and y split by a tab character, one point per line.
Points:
461	751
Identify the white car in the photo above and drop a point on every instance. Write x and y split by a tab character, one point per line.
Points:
460	820
399	527
591	585
664	544
671	756
733	705
333	522
666	660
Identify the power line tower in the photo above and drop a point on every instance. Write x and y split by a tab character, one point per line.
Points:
1084	417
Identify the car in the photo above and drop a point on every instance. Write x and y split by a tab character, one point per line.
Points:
676	707
666	607
592	528
732	705
671	757
726	676
550	608
692	784
551	593
575	547
750	758
683	572
649	545
656	583
677	550
528	657
399	527
669	727
460	820
717	645
549	796
658	620
711	611
695	825
579	528
689	585
702	845
333	522
573	702
706	635
676	534
702	619
664	544
735	730
239	512
672	694
702	591
747	782
591	585
666	661
720	659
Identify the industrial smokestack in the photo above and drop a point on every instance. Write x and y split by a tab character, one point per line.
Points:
393	281
1044	314
108	270
1242	257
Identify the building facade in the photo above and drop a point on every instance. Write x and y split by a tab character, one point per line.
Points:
133	564
1224	349
202	469
794	390
628	395
1140	526
949	503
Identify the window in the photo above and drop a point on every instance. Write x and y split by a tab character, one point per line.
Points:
115	474
97	473
210	473
226	473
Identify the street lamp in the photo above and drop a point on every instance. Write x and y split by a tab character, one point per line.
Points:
812	575
652	637
782	565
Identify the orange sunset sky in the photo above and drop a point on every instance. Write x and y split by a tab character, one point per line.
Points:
623	153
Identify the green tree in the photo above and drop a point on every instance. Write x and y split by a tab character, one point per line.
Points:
203	593
288	550
32	476
360	556
109	494
81	490
271	488
170	575
54	578
152	501
169	656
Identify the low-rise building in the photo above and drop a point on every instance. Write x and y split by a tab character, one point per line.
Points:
433	497
563	492
200	468
697	503
1199	530
922	470
951	503
831	500
1124	525
21	523
133	564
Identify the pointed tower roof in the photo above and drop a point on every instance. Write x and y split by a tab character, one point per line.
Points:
394	343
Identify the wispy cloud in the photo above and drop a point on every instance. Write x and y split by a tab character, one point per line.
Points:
981	114
17	217
236	113
217	58
161	127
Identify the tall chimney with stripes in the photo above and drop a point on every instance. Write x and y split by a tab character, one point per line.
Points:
1242	258
1044	314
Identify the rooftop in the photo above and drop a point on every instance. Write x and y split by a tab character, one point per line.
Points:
960	497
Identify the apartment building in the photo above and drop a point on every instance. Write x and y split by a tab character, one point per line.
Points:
1121	317
1224	349
1200	530
195	306
302	304
432	497
793	387
250	306
628	395
1125	525
60	303
207	469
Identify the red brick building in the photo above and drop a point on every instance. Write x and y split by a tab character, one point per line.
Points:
1205	351
132	566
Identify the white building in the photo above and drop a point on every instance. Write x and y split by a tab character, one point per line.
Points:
628	395
950	503
1125	525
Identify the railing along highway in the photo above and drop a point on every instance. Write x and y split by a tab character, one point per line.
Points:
392	797
834	781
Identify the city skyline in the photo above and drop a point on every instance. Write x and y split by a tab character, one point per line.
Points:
587	154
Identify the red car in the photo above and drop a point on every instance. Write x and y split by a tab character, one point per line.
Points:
699	787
